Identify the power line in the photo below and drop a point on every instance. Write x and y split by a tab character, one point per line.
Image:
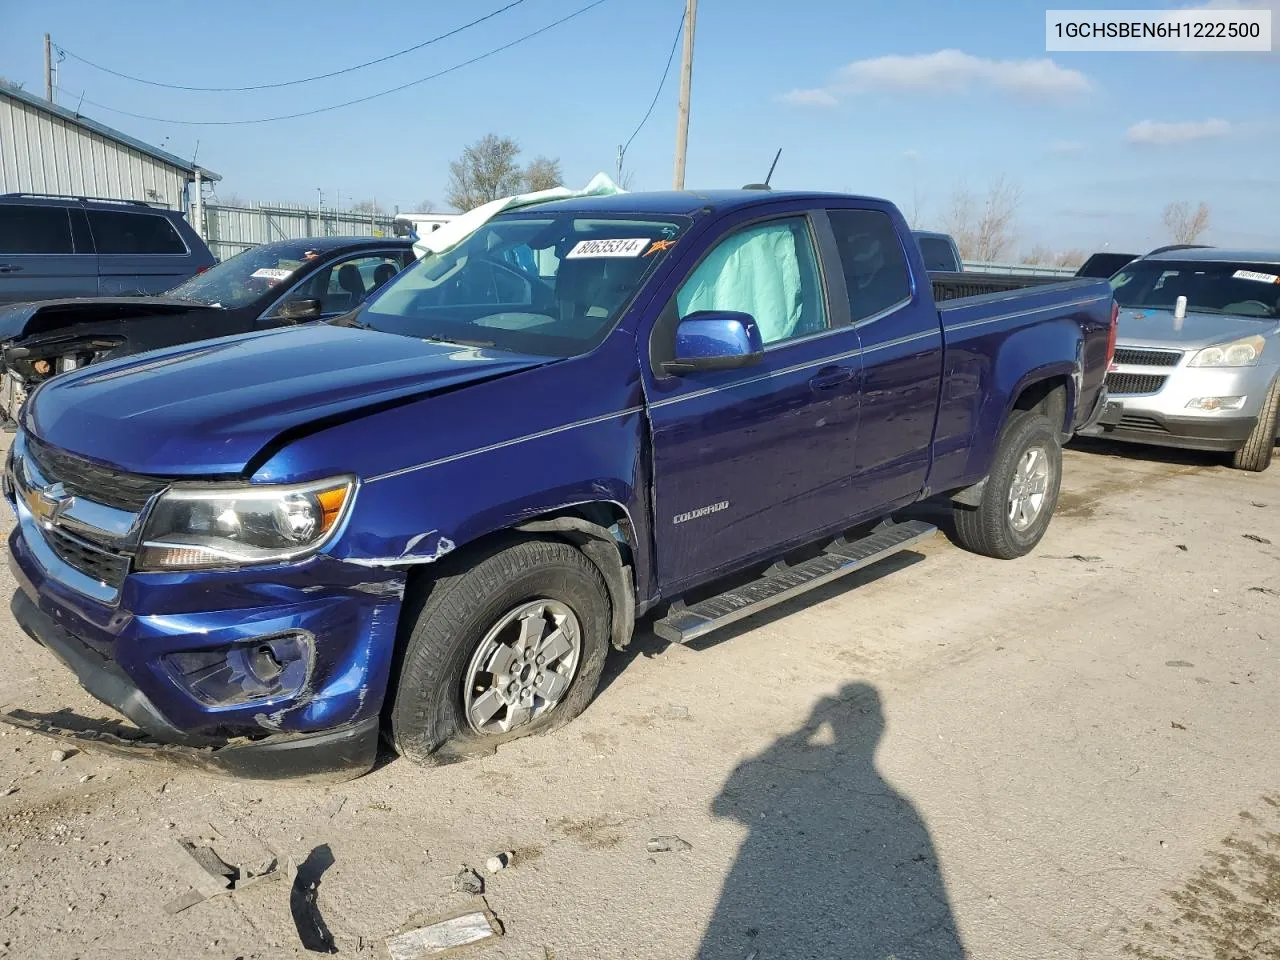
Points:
351	103
661	83
290	83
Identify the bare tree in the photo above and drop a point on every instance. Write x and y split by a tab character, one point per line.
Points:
486	171
1183	223
425	206
983	229
960	220
916	215
1038	254
543	173
368	208
1070	258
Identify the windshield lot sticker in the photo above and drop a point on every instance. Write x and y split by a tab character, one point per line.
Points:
268	273
608	248
1254	275
659	246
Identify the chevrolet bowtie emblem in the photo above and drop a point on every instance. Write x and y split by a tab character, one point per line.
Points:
48	503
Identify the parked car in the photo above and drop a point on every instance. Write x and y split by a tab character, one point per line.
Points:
1104	265
1107	265
1204	377
941	255
285	282
53	246
441	510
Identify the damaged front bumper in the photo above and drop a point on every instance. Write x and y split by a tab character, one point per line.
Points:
339	753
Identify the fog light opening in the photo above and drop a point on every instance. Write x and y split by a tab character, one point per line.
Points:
1215	403
265	668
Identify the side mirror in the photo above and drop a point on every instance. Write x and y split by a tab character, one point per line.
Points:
297	311
715	340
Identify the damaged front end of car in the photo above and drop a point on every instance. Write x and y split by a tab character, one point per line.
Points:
204	614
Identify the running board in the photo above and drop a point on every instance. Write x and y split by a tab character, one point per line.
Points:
683	624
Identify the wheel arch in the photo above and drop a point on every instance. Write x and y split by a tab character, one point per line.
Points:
601	529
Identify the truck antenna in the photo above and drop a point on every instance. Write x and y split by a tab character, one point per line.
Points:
765	185
773	167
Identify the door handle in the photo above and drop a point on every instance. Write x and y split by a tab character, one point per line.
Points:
9	268
830	377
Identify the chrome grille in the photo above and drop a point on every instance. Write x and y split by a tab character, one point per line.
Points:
1148	358
1134	383
84	478
103	565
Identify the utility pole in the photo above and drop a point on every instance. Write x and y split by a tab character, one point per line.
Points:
48	68
686	84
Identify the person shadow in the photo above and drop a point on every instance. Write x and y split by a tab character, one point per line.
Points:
836	865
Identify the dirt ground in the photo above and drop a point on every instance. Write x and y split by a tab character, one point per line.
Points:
1072	755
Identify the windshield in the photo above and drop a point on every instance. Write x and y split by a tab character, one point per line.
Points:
245	277
546	285
1239	289
939	257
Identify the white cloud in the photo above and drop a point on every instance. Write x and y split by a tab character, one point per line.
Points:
809	98
1066	146
946	71
910	154
1165	134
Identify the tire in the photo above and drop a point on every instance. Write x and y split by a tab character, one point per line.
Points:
453	620
1255	455
989	529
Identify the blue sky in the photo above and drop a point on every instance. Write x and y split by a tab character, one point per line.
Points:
902	100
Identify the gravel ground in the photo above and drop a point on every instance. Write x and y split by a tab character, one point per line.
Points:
1071	755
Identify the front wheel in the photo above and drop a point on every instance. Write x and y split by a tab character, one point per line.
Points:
1255	455
1021	491
511	646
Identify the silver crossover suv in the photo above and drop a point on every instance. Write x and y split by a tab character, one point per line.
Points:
1197	354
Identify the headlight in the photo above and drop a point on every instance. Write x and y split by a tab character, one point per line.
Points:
197	526
1239	353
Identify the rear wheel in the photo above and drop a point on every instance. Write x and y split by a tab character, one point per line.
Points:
1256	453
511	646
1021	491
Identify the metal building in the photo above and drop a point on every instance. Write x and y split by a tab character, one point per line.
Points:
45	148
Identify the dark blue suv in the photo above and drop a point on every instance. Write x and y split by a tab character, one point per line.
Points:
83	247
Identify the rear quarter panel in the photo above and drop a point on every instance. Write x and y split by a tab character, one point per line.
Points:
1000	344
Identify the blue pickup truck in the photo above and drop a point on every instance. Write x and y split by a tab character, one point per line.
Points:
431	518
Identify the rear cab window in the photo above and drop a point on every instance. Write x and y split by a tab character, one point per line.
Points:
33	229
939	257
117	231
876	274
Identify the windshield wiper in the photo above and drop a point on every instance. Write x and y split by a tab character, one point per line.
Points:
460	343
348	320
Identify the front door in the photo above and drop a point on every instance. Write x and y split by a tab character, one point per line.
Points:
38	260
747	460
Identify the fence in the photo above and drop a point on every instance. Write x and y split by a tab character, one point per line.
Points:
231	229
1024	269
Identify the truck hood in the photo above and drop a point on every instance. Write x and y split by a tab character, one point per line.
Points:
45	316
1144	327
208	408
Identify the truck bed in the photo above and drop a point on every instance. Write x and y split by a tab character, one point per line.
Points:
957	286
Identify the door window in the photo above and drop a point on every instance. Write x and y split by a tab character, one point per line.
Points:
875	268
138	233
343	285
768	270
34	229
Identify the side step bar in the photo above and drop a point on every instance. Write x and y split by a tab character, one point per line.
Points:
683	624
